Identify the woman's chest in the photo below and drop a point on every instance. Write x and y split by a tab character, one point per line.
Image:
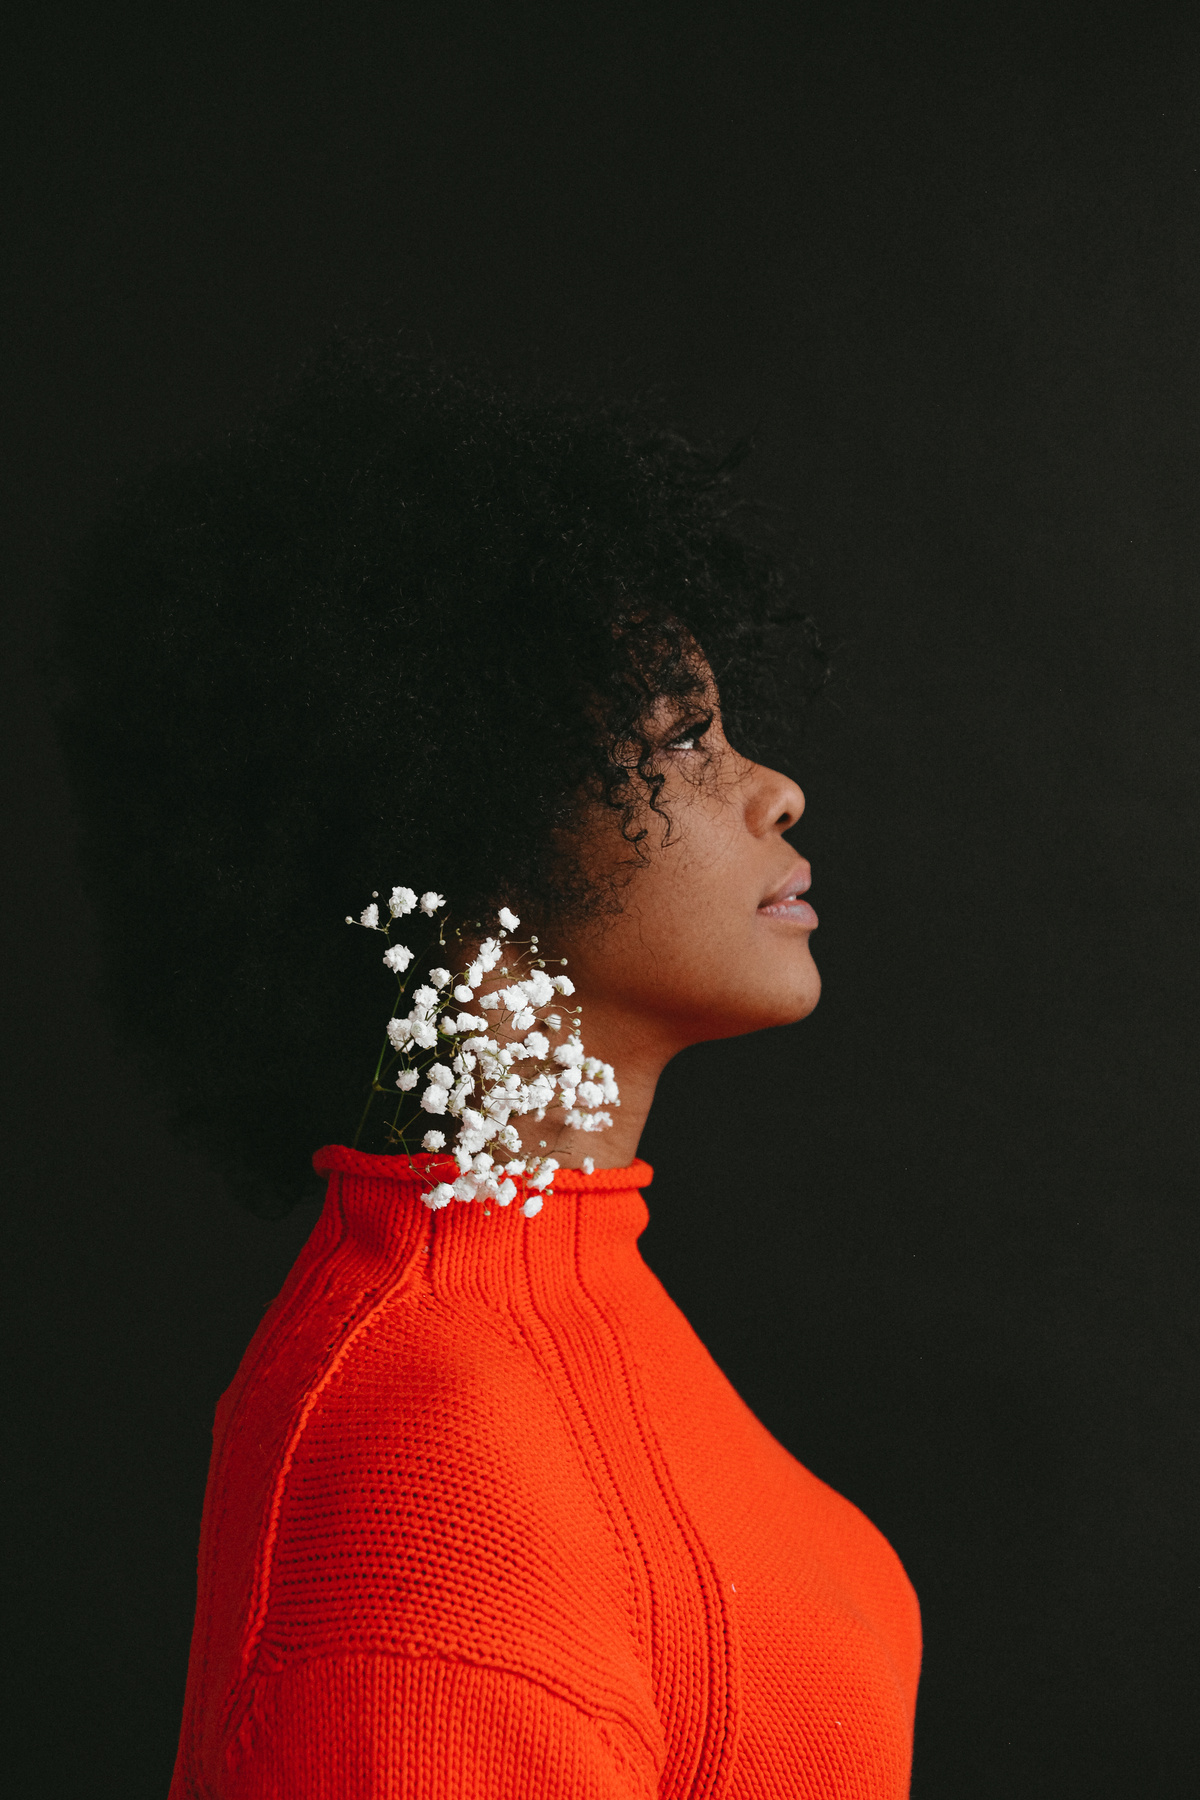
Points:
787	1636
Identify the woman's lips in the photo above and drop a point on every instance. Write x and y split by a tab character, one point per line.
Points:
798	910
785	902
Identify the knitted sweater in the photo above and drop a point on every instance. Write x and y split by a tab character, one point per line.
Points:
486	1522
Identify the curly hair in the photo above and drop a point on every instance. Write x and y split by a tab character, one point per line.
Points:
400	628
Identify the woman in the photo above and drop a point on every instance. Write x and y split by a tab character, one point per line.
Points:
483	1517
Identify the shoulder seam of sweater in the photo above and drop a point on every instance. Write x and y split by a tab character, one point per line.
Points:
260	1678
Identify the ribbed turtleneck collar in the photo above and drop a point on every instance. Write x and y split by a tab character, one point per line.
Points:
589	1223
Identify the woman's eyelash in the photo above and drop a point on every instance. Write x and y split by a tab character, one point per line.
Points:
690	738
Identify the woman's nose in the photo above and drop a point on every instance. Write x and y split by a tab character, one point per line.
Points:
774	802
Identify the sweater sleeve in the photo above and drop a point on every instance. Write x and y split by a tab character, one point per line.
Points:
386	1727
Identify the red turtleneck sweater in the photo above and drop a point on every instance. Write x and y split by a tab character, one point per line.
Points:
486	1522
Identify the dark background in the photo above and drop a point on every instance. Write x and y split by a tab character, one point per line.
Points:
944	260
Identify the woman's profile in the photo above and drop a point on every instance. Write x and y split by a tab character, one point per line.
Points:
483	1519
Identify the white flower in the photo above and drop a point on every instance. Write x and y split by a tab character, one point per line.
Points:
489	955
439	1196
434	1099
482	1162
508	919
541	1090
463	992
509	1139
468	1143
397	958
589	1094
440	1075
402	901
462	1089
532	1206
537	1044
570	1054
399	1033
544	1174
564	984
470	1022
431	903
446	1025
515	1168
369	916
466	1187
439	977
425	998
524	1019
539	988
589	1165
424	1036
506	1192
553	1021
472	1120
407	1080
489	1002
515	998
434	1140
568	1080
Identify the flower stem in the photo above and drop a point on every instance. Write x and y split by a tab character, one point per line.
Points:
374	1089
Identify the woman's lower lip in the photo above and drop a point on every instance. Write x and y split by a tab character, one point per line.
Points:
799	910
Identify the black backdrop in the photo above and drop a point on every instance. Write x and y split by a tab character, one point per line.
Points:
944	261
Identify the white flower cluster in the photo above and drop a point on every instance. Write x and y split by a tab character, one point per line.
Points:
484	1082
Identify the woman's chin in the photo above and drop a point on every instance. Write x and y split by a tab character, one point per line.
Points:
775	1008
803	991
803	1000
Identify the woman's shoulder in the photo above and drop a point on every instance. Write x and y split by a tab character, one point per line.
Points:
410	1484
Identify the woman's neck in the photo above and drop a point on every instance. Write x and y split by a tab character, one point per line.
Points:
638	1056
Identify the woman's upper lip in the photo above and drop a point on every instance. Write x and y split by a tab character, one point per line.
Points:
798	882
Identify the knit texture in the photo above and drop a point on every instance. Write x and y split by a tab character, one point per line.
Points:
485	1521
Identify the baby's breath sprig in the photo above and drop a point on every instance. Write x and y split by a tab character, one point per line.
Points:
480	1085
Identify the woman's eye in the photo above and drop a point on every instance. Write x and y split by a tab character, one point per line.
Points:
690	739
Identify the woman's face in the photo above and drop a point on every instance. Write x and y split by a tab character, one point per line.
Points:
712	938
